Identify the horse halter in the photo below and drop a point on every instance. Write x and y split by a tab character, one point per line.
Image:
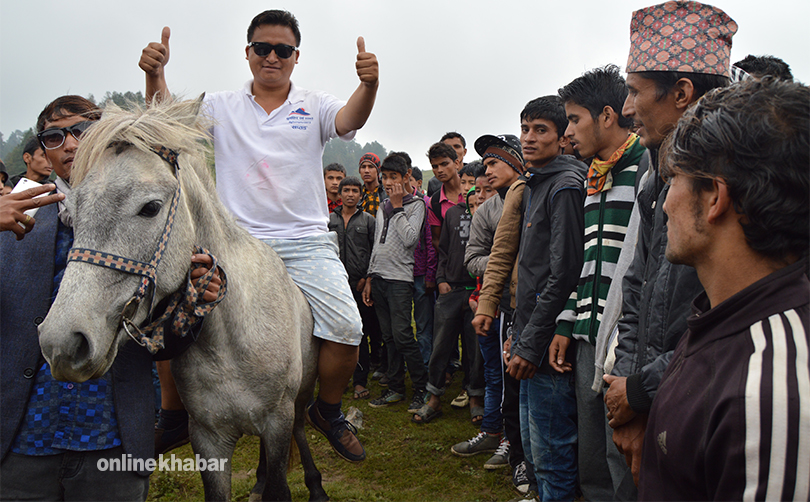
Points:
183	302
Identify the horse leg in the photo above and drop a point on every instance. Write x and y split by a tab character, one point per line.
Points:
217	450
261	475
312	476
276	442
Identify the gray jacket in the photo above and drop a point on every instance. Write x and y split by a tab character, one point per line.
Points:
657	300
482	233
395	240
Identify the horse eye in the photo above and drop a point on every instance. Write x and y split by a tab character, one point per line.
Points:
150	209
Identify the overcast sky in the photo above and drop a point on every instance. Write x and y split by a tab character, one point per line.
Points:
467	65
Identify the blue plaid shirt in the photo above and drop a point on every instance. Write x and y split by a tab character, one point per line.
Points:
67	415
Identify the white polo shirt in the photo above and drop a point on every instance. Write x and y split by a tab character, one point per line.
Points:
269	167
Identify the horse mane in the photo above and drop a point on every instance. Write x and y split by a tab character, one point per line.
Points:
176	125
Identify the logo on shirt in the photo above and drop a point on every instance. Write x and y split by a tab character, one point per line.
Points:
662	442
299	119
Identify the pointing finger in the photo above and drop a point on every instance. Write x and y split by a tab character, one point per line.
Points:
361	45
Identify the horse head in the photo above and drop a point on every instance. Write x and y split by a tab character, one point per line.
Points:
129	168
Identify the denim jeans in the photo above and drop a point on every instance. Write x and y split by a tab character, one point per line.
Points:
371	333
453	317
72	475
423	317
548	426
594	473
392	302
490	347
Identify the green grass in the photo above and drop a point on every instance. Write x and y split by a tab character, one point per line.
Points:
405	461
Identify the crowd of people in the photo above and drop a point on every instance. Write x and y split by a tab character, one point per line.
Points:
623	286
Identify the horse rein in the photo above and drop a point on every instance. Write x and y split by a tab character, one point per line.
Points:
183	303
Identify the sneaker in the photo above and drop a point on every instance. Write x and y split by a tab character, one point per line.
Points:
420	397
377	375
482	443
500	458
461	401
341	434
388	397
520	479
384	380
531	496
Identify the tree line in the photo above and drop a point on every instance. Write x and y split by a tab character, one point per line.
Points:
346	153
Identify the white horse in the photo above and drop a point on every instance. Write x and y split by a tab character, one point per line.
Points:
253	368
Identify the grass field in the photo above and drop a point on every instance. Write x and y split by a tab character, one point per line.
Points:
405	461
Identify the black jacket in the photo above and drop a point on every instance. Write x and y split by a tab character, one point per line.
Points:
550	255
657	299
355	240
452	245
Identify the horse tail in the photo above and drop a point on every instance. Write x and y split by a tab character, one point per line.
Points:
295	455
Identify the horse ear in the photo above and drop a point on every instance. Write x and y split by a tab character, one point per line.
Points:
189	111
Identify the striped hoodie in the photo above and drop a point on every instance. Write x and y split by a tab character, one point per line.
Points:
607	214
731	419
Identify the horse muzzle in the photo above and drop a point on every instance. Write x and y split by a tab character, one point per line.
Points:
75	355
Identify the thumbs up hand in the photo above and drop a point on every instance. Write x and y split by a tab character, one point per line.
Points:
367	68
155	56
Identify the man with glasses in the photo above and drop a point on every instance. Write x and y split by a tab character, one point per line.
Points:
53	434
268	142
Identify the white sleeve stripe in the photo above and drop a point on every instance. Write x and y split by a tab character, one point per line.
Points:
779	416
752	425
802	491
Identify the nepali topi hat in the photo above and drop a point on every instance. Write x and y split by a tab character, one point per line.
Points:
688	37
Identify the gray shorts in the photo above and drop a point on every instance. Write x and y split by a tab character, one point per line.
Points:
314	265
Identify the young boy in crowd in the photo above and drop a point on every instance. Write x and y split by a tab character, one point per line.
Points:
424	279
355	232
332	175
546	233
452	314
503	160
597	129
389	288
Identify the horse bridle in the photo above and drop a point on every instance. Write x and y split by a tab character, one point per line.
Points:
183	304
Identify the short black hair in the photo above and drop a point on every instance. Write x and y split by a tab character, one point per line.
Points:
549	108
755	135
404	156
395	162
439	150
416	173
453	134
350	181
475	169
31	146
275	18
759	66
65	106
596	89
666	80
334	166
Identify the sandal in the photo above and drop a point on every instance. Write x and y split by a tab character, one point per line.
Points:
461	401
361	393
477	414
426	414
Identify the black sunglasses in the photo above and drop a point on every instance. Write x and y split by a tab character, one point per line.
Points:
51	139
263	49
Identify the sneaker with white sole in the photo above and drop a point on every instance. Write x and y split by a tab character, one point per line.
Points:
530	496
420	397
500	458
388	397
520	479
484	442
